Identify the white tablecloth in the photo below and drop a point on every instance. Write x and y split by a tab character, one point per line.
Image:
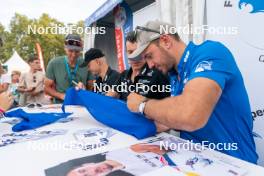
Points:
32	158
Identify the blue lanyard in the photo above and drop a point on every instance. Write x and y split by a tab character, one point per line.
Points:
69	70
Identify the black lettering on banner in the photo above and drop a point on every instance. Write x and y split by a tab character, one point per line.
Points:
261	58
227	4
257	113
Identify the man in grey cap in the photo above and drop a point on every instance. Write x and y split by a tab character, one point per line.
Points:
64	71
209	103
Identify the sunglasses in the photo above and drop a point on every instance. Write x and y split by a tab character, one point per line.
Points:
261	58
34	105
34	79
141	28
73	51
73	43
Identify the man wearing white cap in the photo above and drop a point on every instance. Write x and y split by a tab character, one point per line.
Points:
209	103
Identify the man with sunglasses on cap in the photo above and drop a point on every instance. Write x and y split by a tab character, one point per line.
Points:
64	71
140	78
210	104
95	62
31	84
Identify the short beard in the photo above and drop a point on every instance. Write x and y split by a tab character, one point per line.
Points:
169	59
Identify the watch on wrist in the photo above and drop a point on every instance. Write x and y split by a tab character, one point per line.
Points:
141	107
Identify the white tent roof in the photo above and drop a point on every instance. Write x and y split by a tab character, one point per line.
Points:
16	63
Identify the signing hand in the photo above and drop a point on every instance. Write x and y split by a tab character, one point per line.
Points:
79	86
62	96
133	101
6	100
31	89
160	127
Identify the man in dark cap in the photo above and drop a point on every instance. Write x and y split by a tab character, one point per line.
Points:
139	78
106	77
64	71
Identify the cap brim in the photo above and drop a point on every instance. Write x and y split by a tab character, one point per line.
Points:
84	64
75	48
138	58
136	54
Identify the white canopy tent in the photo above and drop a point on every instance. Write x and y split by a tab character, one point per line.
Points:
16	63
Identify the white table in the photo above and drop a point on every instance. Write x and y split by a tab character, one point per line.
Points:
22	159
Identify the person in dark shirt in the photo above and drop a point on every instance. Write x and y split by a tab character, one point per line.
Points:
106	77
150	83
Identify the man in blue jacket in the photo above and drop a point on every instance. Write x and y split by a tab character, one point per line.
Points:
210	104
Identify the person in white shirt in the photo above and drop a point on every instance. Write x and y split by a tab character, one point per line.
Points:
15	76
5	80
31	84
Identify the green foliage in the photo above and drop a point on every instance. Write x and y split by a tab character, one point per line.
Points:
20	37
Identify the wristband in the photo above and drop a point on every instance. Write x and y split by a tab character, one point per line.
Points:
2	113
1	110
141	107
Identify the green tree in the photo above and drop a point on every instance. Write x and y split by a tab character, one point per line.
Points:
5	49
18	37
52	44
21	38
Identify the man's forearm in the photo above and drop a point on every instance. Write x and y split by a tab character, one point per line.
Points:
39	90
112	94
22	90
160	127
4	87
90	85
52	92
170	111
36	93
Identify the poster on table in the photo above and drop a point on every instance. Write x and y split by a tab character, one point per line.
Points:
163	152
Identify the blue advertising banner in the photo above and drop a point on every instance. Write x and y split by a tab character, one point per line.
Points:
239	25
102	11
123	24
